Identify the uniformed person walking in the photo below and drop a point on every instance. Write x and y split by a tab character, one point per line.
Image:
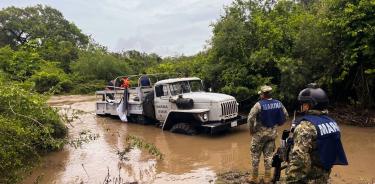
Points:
317	144
263	119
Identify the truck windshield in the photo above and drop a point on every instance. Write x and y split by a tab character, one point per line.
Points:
196	86
186	87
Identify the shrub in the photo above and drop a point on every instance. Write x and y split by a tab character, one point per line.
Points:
88	87
97	64
16	151
28	127
44	81
52	79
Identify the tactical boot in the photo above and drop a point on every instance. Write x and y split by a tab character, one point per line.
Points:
252	179
267	177
267	180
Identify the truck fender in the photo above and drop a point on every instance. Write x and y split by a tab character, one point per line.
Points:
174	115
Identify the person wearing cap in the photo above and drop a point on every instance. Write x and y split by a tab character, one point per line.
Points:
263	119
317	140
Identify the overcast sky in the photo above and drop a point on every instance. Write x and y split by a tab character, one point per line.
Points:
165	27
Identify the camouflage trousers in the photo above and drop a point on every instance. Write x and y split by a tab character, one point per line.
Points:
316	175
263	141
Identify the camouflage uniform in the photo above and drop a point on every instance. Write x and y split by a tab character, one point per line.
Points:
303	165
263	141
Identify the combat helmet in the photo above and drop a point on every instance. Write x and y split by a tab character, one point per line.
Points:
314	96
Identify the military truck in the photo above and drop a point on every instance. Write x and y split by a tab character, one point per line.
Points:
179	105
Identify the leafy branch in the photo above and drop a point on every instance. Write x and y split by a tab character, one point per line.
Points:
136	142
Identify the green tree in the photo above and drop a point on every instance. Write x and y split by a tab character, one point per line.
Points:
139	61
351	25
19	25
98	64
19	65
56	38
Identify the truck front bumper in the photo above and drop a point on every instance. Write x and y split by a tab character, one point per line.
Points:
219	126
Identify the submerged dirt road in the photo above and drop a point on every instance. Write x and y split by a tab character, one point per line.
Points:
188	159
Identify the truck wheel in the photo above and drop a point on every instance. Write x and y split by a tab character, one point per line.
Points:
184	128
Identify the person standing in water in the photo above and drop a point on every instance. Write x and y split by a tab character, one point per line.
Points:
263	119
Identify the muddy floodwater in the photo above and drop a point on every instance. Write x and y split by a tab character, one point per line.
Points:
188	159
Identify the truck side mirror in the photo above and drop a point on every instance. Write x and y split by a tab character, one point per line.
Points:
172	100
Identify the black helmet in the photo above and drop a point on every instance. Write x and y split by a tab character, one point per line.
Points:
314	96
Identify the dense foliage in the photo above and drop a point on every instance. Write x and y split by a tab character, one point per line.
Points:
288	44
28	127
56	38
36	47
40	48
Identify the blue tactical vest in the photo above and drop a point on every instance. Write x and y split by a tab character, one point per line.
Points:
145	81
271	113
329	146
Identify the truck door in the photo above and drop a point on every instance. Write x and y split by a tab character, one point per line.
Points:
162	104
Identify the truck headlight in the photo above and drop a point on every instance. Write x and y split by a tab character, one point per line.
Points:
205	116
202	117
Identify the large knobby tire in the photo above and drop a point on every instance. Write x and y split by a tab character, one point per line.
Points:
184	128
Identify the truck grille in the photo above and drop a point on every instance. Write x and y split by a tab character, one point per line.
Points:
228	108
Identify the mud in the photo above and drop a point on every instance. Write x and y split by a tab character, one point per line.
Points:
233	177
188	159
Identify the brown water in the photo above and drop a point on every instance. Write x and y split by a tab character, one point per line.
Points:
188	159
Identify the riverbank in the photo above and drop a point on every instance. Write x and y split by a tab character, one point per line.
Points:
350	115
